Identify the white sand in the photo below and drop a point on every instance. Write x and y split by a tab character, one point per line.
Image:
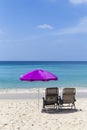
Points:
22	114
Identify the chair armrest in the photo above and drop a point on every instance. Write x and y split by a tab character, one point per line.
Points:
44	102
74	100
43	98
60	101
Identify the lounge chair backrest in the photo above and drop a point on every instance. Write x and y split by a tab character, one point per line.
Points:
68	95
69	91
52	91
52	94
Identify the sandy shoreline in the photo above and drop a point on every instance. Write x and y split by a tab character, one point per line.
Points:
19	111
32	93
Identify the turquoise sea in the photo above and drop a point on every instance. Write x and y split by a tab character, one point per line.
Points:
70	74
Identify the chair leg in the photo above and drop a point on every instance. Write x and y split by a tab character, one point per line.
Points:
56	106
73	106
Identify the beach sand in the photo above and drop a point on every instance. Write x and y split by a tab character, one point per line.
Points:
19	111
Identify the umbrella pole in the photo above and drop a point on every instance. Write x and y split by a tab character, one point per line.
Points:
38	99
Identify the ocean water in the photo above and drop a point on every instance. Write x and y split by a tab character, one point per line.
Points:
70	74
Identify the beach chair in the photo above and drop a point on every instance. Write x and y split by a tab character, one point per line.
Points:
68	98
51	97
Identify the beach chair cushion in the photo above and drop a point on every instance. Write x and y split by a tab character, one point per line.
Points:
68	96
51	96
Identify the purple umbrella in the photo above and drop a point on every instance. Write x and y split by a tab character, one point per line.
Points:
38	75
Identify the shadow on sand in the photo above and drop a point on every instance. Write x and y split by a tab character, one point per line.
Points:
59	111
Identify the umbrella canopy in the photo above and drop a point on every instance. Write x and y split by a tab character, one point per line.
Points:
38	75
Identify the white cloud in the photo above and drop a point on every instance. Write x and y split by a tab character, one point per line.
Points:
78	1
81	27
45	26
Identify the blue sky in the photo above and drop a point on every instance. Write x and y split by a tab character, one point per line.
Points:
49	30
